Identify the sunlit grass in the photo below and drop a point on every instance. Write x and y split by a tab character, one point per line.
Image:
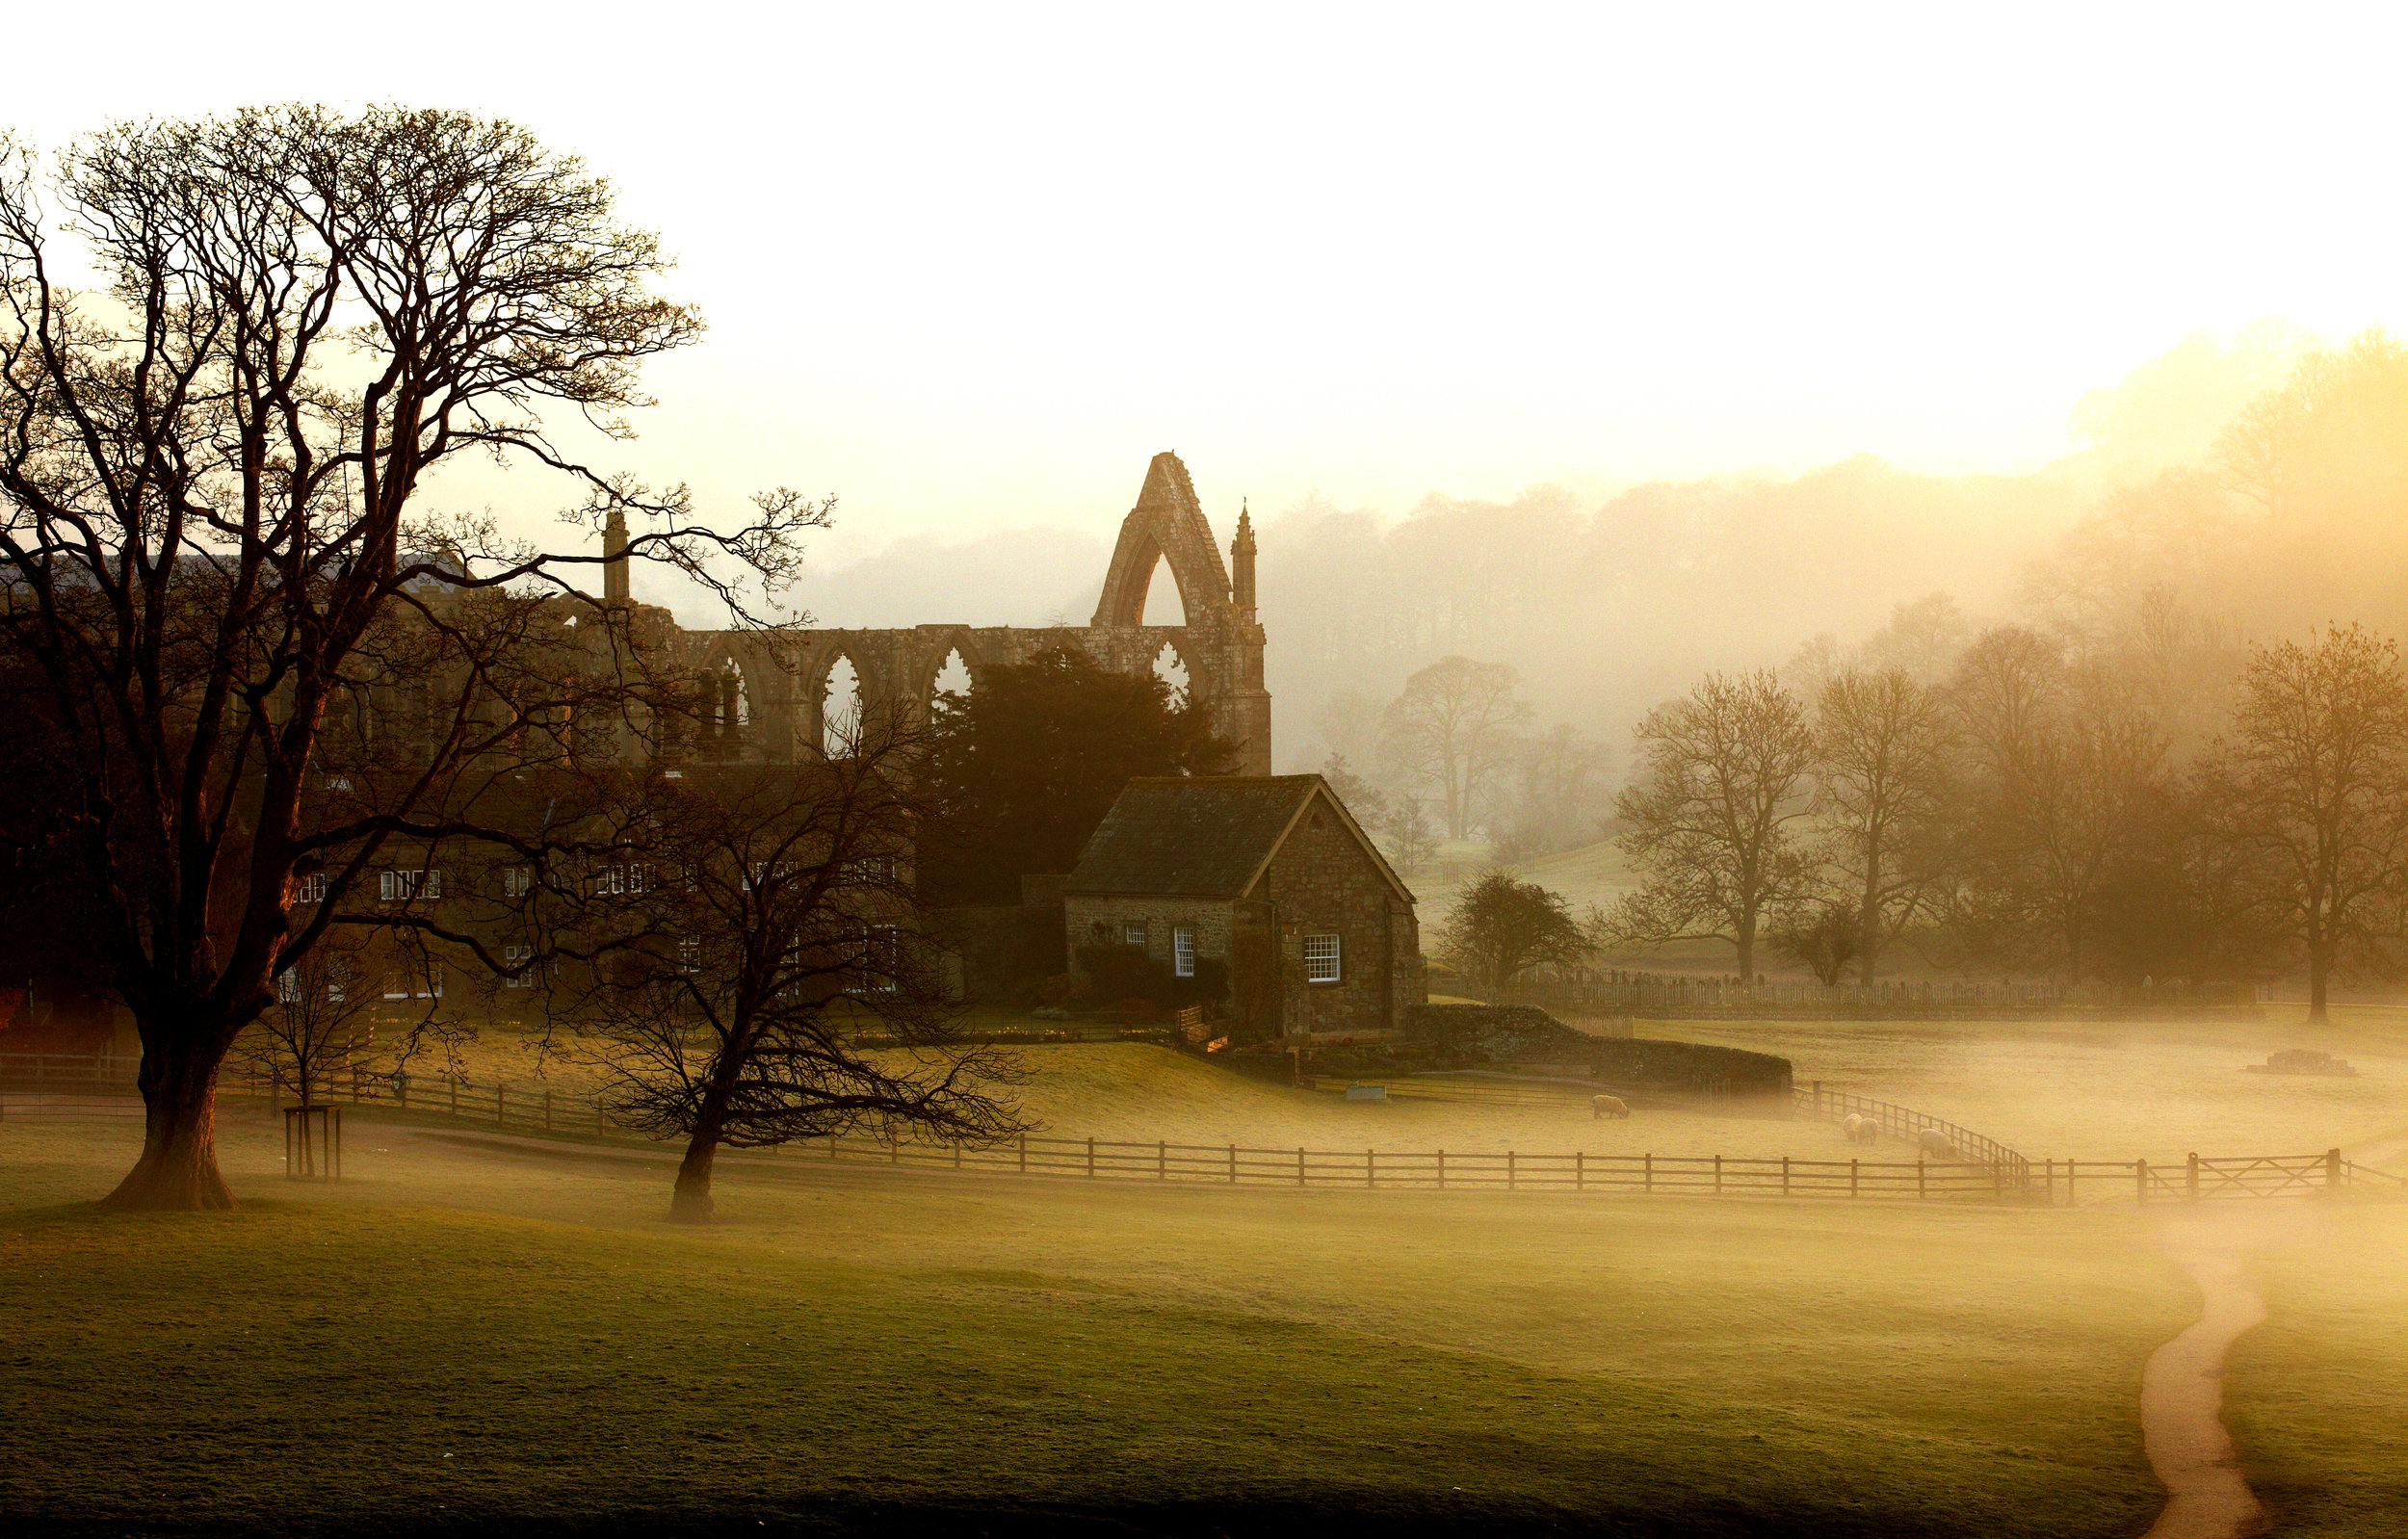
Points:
855	1346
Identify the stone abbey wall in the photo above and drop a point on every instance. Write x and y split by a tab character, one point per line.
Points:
777	707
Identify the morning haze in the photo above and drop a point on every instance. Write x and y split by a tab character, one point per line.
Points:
1052	775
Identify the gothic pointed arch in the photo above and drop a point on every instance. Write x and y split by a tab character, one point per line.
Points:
1166	527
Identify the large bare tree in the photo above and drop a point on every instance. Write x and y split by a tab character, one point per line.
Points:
1455	729
1721	778
210	478
1884	748
2313	781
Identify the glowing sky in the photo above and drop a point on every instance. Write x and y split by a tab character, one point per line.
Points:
968	268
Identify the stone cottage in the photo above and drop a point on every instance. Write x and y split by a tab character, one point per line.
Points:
1265	879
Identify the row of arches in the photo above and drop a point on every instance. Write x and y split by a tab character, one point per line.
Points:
754	706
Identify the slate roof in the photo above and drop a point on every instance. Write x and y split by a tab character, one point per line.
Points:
1197	836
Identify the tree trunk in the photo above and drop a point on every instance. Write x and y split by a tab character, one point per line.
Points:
691	1203
179	1167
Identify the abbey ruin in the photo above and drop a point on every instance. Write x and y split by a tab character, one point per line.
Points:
774	707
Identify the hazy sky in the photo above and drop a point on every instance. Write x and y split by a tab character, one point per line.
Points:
967	269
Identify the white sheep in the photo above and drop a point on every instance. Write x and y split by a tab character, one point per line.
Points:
1609	1105
1868	1130
1935	1144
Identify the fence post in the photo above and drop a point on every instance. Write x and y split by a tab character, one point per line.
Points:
1090	1158
1510	1181
2193	1181
1851	1176
453	1081
2140	1179
1161	1160
1233	1164
1717	1175
1647	1172
547	1109
2331	1170
1442	1170
1785	1175
500	1099
1580	1170
1299	1165
1371	1168
1024	1153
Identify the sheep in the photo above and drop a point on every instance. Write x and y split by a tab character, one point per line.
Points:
1860	1128
1609	1105
1935	1144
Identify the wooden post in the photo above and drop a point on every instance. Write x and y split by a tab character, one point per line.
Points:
1717	1175
1442	1170
453	1081
500	1099
2331	1170
1647	1172
1785	1175
1090	1158
2140	1179
1161	1160
2191	1186
1233	1165
1580	1170
1371	1168
1851	1176
1024	1153
1509	1170
1299	1165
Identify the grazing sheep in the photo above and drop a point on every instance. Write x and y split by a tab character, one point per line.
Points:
1848	1125
1935	1144
1860	1128
1609	1105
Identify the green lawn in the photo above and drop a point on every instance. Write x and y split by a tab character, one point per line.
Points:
857	1347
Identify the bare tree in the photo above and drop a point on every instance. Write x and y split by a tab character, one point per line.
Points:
1720	777
743	931
208	483
1884	750
318	1024
1454	729
2314	782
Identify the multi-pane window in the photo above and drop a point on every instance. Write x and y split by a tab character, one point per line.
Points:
310	889
517	958
1321	958
1182	950
517	881
406	886
412	984
688	954
288	986
1133	934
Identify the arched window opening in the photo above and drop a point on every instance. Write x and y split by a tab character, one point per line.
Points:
840	710
1168	667
953	678
1163	604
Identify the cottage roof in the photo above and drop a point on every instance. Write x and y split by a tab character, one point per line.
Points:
1203	836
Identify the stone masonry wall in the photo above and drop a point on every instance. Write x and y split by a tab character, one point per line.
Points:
1322	881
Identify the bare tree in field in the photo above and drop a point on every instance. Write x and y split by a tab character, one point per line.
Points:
2064	775
2314	782
1884	750
743	926
318	1024
1721	778
209	482
1454	729
1503	928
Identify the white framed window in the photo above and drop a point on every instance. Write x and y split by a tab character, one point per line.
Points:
1133	934
310	889
1321	959
688	954
406	886
518	956
517	881
288	986
1182	950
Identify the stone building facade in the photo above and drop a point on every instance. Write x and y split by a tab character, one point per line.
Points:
1269	879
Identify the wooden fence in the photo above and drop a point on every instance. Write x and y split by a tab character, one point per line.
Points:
1614	992
1904	1122
2194	1179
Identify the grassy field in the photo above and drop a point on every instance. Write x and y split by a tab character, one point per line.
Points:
464	1335
2313	1395
2107	1091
